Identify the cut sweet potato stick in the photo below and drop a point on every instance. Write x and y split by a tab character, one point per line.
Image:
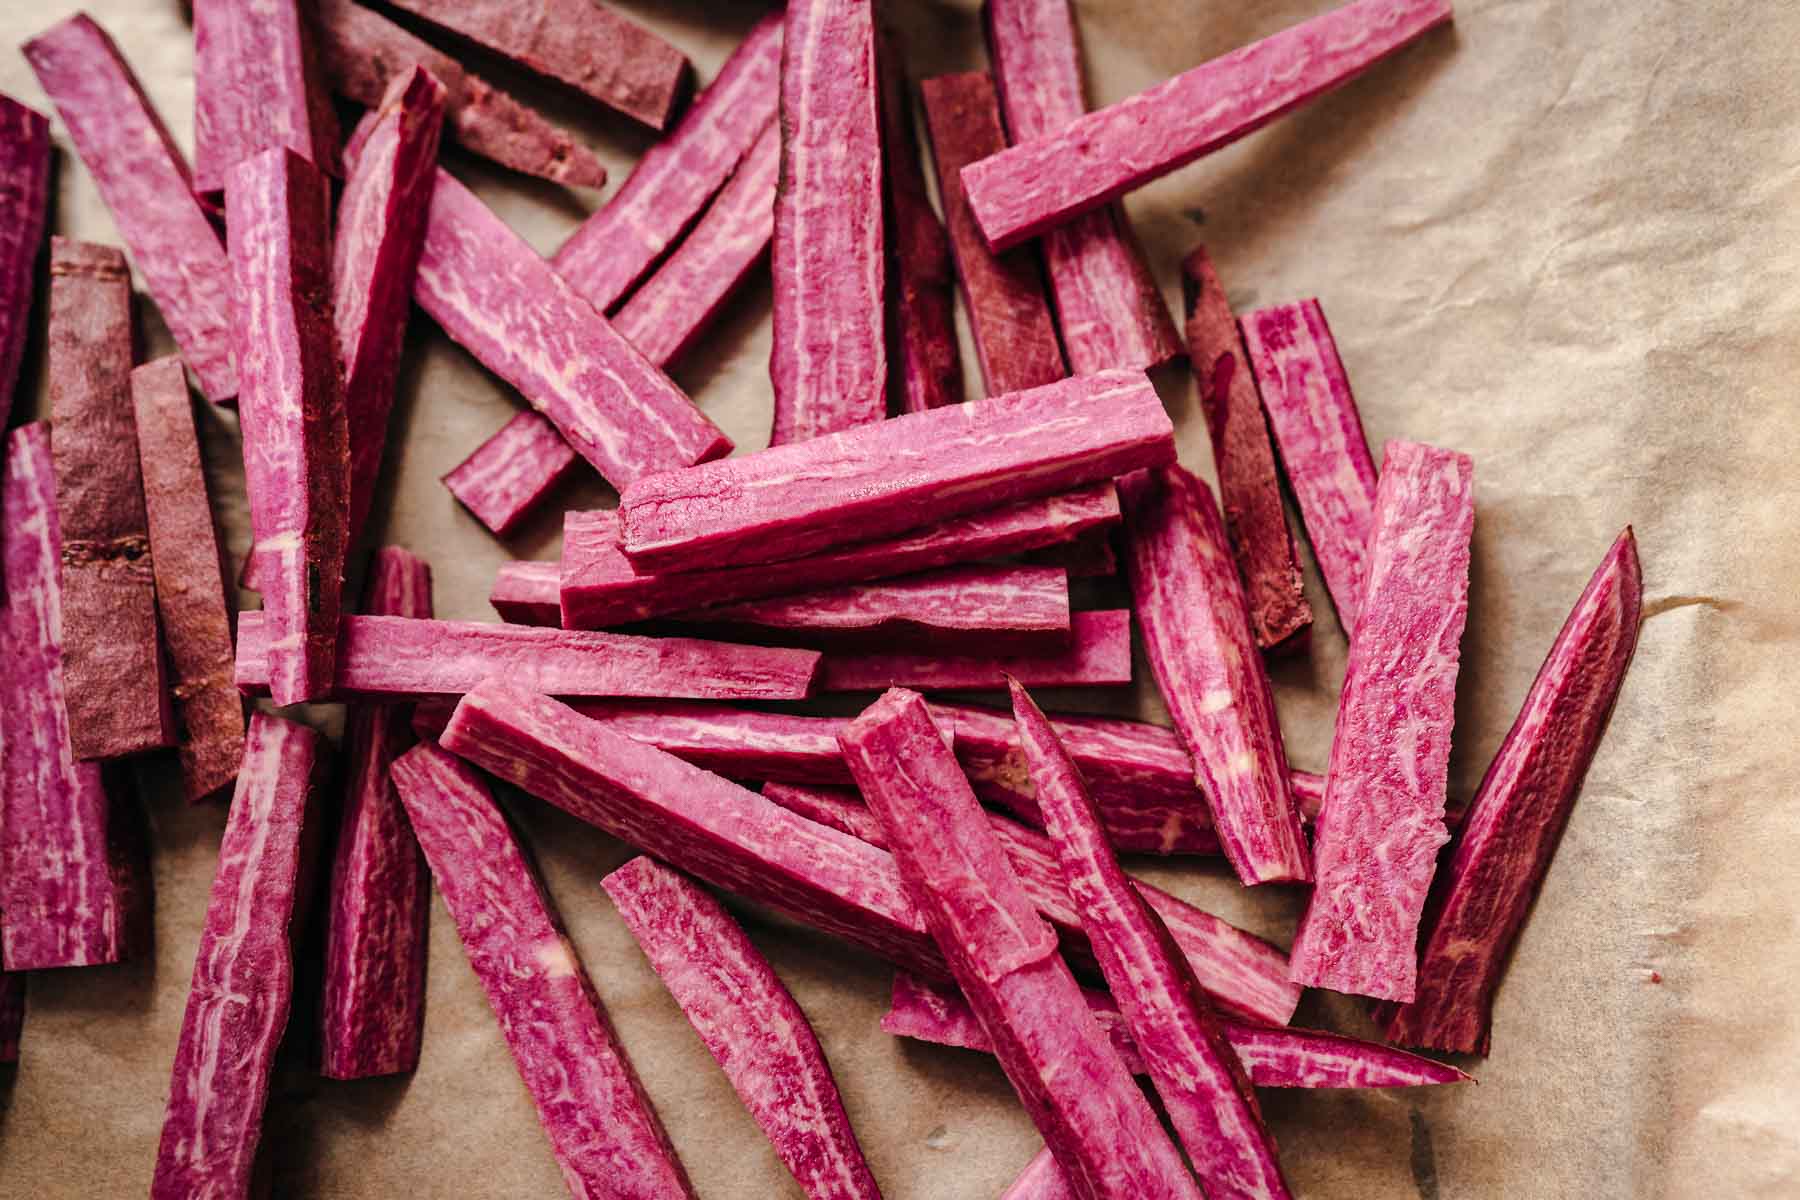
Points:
380	231
493	295
1094	160
190	583
1099	655
374	1007
12	1014
837	806
1009	315
296	438
403	658
510	473
665	317
113	671
257	85
1518	816
1250	489
364	52
1003	956
1313	414
1090	556
923	363
829	358
241	993
1042	1179
588	46
1202	1084
70	892
145	183
600	587
896	475
529	593
1376	843
750	1024
24	204
1196	625
605	1134
1108	308
613	250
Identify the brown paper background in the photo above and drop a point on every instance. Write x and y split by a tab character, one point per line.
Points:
1560	237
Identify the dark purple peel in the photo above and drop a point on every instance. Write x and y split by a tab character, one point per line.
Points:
511	473
257	86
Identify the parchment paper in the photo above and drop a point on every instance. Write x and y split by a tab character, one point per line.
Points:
1562	238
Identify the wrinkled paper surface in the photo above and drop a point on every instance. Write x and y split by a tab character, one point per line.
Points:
1561	237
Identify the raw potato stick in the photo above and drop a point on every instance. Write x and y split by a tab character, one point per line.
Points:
605	1134
190	582
241	994
364	52
1313	415
1094	160
1202	1084
665	317
495	297
373	1012
70	893
1249	488
257	85
924	364
529	593
1196	625
1376	842
145	183
828	362
1003	956
24	204
600	587
1504	848
512	472
750	1024
1009	315
613	250
296	439
584	44
404	658
1108	307
738	743
113	672
1099	655
838	807
793	500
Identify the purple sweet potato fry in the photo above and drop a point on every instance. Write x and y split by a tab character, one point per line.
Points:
837	806
190	585
1504	847
1249	487
529	593
402	658
493	294
665	317
511	473
70	892
1375	846
601	588
257	85
1009	314
241	994
1312	412
145	183
615	249
738	743
296	439
1004	957
588	46
1099	655
114	679
364	52
750	1024
605	1134
373	1013
828	362
380	232
1196	625
1108	308
866	483
1092	161
24	203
